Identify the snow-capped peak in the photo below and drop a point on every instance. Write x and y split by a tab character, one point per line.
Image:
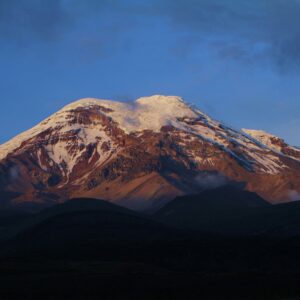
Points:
164	103
146	113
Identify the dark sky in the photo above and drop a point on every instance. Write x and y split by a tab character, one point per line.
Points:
239	61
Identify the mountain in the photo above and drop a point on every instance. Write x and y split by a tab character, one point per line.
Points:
211	210
85	227
14	221
230	211
141	155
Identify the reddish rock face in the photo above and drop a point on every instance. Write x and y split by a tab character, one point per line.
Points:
141	156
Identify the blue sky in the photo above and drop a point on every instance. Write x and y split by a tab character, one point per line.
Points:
238	61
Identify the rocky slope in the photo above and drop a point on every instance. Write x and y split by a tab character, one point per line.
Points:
141	155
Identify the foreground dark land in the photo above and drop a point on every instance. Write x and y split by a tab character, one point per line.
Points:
131	280
89	249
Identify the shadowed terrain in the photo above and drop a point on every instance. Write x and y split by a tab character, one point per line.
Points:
86	247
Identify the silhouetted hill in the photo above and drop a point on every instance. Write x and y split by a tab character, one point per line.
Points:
83	204
85	228
211	209
230	211
14	221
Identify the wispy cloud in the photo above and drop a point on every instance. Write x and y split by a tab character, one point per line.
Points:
211	180
257	31
293	195
252	31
